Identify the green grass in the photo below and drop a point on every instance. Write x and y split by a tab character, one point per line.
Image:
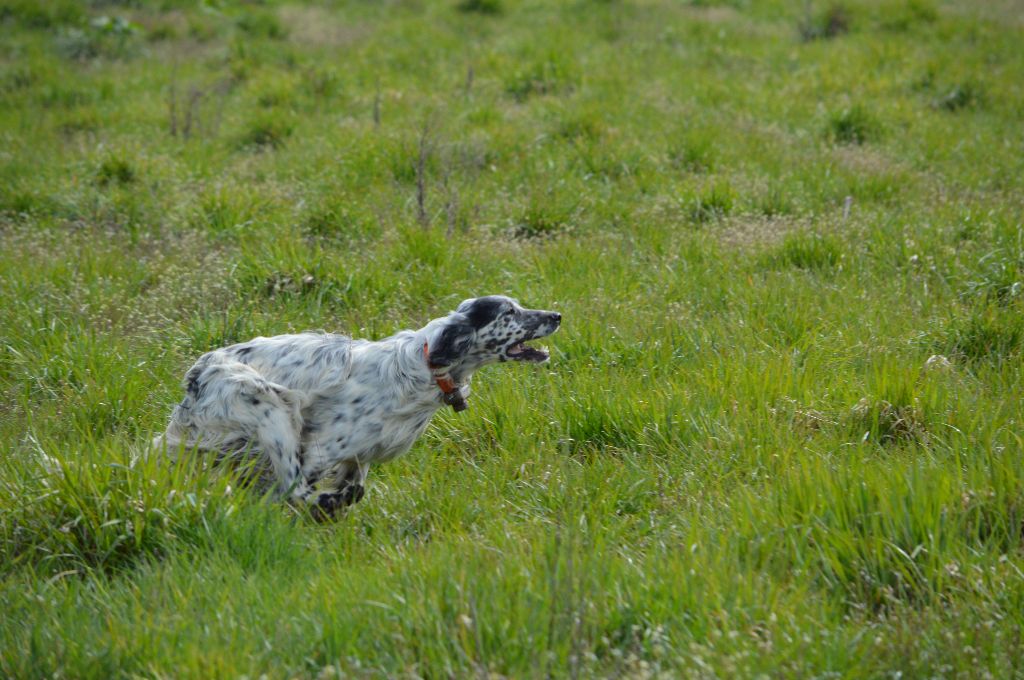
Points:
760	221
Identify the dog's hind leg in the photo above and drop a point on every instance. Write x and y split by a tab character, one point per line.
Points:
280	442
277	412
229	405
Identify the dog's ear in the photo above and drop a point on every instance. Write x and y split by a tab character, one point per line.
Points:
451	342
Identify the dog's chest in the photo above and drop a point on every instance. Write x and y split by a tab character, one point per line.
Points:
360	423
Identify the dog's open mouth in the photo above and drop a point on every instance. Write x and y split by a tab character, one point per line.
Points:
519	351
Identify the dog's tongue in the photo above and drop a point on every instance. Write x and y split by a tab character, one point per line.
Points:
520	351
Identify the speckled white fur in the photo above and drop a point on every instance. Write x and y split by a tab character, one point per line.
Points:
320	407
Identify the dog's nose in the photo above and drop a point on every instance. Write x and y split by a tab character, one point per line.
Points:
556	317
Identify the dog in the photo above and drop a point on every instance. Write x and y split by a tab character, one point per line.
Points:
320	408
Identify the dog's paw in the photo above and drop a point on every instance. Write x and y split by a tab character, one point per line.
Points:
352	494
328	503
325	505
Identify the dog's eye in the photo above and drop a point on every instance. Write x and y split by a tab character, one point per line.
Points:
509	313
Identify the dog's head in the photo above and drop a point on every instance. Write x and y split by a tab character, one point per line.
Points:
486	330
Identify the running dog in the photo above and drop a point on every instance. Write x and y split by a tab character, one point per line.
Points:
321	408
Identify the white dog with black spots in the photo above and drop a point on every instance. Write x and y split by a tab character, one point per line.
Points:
321	408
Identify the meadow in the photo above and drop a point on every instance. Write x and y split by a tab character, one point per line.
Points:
780	431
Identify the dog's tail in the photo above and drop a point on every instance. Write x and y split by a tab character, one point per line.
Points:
169	443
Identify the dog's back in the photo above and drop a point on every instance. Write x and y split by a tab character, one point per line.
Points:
308	362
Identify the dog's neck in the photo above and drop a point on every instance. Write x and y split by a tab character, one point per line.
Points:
450	387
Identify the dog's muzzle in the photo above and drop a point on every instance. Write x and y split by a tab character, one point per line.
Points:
546	324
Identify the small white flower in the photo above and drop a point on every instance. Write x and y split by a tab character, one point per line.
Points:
937	362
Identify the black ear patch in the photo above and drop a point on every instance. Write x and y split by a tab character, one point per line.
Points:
483	311
451	345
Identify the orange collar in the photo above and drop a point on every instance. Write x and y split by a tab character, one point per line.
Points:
452	394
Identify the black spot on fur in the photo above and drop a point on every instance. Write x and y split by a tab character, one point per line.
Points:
532	321
483	311
193	379
243	351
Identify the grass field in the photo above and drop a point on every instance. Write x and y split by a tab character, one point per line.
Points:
760	220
